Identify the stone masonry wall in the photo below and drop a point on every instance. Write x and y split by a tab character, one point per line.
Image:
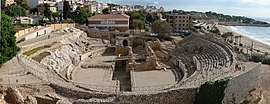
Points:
179	96
239	87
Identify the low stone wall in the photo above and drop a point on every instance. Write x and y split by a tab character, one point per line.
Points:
180	96
93	53
61	25
240	86
20	34
40	32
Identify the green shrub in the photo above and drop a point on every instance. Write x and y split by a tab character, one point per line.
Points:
256	57
212	92
147	28
266	60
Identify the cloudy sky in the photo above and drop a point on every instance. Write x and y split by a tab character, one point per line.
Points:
250	8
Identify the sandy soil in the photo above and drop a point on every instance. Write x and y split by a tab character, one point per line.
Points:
246	40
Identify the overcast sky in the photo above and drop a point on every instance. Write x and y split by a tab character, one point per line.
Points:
250	8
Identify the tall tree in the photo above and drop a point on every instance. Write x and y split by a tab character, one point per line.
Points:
8	48
15	11
66	9
162	28
80	15
47	12
55	15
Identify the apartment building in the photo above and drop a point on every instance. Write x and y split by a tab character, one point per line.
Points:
111	22
180	22
91	7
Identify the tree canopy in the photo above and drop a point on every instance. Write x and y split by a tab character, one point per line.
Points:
8	48
15	11
162	28
80	15
136	17
106	11
47	12
150	18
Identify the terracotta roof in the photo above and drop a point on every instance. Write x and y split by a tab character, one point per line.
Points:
108	16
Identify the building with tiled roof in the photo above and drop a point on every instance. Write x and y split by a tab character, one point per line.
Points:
110	22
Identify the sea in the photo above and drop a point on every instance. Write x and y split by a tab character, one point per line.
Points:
261	34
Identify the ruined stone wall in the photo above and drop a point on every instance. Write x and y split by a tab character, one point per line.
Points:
155	45
44	42
20	34
121	50
180	96
95	33
239	87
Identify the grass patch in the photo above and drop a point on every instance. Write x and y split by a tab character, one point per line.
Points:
28	53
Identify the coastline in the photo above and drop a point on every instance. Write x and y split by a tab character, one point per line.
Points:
258	45
243	24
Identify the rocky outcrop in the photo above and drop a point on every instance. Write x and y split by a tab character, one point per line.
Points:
15	95
30	100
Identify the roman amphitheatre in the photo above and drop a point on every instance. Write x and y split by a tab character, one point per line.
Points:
79	65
